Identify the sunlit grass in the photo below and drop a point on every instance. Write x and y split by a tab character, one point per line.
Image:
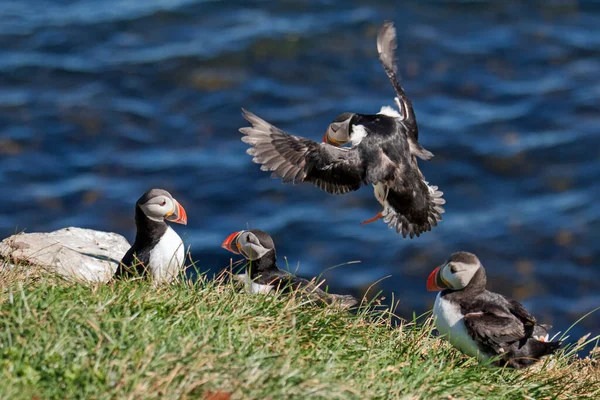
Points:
132	340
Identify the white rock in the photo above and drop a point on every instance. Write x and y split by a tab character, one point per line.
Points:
75	253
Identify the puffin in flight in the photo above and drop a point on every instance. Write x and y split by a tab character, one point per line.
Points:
383	152
158	249
262	274
481	323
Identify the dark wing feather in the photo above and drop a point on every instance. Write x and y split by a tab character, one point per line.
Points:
414	206
528	320
132	265
296	159
386	46
284	280
494	327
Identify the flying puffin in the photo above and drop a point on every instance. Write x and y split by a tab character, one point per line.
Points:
262	274
481	323
383	152
157	249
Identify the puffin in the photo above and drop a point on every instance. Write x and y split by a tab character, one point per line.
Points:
264	276
158	250
484	324
382	151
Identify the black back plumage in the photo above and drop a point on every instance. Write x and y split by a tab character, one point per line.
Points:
148	233
265	271
500	326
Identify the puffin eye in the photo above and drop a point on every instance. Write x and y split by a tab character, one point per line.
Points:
452	268
162	203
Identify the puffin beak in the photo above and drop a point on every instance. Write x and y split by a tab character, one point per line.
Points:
231	244
434	282
331	141
178	214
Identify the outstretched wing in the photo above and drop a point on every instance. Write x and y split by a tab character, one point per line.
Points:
494	327
296	159
386	46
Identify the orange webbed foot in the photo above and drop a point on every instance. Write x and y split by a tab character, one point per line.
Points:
370	220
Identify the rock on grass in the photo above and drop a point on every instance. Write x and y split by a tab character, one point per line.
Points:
74	253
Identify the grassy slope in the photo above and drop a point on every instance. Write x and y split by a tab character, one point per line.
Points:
128	339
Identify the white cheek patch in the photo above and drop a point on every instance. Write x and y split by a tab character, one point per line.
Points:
451	279
462	277
358	134
390	112
253	252
153	212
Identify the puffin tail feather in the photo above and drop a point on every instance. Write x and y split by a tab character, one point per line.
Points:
532	352
413	210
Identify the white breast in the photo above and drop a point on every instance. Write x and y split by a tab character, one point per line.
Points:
449	322
167	257
253	287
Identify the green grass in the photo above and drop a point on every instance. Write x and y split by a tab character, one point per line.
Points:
132	340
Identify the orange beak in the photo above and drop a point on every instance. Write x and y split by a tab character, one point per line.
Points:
228	244
178	215
432	281
332	141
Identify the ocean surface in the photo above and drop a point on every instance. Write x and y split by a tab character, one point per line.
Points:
102	100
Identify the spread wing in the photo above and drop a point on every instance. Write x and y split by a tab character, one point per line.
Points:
494	327
386	46
296	159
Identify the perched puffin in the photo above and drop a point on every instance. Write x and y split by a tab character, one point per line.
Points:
263	275
157	249
481	323
383	152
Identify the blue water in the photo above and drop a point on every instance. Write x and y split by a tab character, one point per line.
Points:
101	100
